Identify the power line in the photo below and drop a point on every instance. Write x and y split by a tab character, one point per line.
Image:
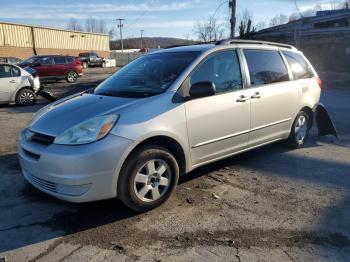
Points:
219	6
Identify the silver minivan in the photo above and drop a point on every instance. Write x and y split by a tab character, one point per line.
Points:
167	113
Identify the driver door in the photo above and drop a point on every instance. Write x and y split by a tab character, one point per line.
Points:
218	125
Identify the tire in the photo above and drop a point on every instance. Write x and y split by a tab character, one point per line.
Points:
85	65
103	65
72	76
25	97
148	178
300	131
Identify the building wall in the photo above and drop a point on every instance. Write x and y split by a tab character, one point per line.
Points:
22	40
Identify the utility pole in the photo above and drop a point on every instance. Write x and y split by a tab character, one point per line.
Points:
141	36
233	6
120	26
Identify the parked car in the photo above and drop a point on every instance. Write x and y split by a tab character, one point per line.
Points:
167	113
55	67
18	85
10	60
92	59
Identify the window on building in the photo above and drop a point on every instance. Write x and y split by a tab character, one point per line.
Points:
222	69
265	67
298	64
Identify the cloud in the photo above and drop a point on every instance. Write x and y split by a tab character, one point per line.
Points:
83	11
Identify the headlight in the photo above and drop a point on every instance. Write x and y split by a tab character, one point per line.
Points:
88	131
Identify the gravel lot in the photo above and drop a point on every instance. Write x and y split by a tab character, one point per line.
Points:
271	204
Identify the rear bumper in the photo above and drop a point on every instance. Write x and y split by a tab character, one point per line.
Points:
74	173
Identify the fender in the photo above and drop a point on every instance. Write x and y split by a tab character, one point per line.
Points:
324	122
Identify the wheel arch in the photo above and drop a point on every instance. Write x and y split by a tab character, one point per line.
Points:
167	142
19	89
310	113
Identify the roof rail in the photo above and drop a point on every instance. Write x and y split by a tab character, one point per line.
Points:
257	42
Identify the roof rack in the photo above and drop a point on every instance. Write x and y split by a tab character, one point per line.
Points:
257	42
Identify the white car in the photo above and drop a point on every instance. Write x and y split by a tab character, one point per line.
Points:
18	85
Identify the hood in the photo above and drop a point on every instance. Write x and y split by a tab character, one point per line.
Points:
67	113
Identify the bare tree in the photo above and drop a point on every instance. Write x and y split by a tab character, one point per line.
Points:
209	31
74	24
279	20
260	26
96	26
245	24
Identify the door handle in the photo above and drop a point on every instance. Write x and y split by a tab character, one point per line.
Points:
256	95
12	81
242	99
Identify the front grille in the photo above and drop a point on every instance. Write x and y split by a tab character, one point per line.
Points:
42	139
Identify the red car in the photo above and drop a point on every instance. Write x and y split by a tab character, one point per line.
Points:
55	67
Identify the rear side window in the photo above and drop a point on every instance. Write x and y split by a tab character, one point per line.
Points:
15	72
70	60
59	60
222	69
265	67
298	64
5	71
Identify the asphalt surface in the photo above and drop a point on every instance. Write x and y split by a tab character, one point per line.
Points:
270	204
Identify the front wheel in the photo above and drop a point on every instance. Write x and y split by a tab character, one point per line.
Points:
25	97
72	76
300	131
148	178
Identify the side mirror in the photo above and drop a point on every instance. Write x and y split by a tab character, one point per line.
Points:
202	89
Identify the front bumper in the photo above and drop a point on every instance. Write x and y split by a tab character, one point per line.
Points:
74	173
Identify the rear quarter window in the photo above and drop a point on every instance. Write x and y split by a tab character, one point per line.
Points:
299	66
265	67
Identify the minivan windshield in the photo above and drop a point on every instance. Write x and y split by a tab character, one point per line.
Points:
146	76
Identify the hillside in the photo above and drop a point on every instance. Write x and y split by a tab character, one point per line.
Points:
149	42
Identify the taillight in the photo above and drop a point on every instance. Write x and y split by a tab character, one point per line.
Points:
320	82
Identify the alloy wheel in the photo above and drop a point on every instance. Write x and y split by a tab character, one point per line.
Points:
152	180
301	129
26	98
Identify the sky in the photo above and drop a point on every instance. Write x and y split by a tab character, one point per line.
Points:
167	18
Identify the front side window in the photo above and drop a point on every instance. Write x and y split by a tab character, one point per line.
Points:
146	76
298	64
59	60
222	69
5	71
265	67
46	60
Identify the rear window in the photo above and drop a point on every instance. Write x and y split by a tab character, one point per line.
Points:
265	67
298	64
59	60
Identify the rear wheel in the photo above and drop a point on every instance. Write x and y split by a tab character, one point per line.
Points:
26	97
148	178
300	131
72	76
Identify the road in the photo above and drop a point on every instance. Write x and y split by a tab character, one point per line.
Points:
270	204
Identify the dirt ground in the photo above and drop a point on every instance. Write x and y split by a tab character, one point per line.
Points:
270	204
